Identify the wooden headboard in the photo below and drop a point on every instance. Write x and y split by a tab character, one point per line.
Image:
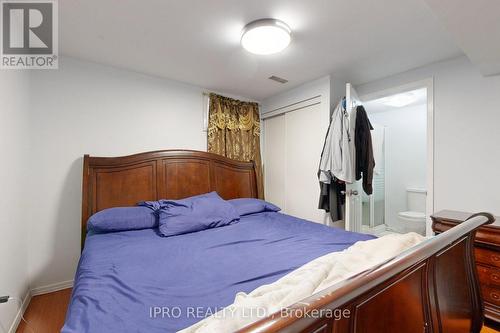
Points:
167	174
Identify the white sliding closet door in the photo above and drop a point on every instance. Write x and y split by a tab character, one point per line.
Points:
292	148
303	151
274	157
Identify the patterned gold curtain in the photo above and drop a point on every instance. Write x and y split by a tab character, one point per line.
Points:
234	132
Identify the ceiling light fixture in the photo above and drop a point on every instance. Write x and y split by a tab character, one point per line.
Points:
265	36
399	100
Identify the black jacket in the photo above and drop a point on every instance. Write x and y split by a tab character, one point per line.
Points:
365	161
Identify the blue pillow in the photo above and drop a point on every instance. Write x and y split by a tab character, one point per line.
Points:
192	214
247	206
122	218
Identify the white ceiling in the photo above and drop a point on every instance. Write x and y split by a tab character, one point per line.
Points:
378	105
475	26
197	41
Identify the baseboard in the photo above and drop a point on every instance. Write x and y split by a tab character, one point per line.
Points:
34	292
51	288
20	312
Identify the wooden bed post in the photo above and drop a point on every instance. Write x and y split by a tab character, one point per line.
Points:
85	203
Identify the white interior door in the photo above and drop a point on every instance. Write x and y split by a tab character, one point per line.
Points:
353	207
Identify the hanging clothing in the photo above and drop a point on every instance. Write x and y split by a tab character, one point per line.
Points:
332	199
336	164
337	155
365	162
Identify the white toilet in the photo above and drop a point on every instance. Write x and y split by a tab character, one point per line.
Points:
414	218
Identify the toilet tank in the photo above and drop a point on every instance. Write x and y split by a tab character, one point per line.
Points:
416	198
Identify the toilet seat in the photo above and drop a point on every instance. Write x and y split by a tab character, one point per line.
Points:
412	215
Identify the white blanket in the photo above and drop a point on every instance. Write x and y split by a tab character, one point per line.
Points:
313	277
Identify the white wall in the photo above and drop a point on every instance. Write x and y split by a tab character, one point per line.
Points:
466	133
14	151
88	108
405	156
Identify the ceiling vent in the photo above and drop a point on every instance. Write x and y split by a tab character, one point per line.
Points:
278	79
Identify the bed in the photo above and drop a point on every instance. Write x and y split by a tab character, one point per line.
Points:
125	278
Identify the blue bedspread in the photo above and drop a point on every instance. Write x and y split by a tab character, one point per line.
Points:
125	278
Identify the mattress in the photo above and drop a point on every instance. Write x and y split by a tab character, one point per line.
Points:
138	281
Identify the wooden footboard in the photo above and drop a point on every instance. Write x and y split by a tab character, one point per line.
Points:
430	288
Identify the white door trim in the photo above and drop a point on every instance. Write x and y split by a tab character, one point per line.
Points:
429	85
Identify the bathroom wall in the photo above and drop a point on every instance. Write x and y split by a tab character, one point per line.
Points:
405	156
466	122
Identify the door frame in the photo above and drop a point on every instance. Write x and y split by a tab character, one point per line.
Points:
429	85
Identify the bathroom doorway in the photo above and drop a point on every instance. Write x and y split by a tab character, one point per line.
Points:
402	139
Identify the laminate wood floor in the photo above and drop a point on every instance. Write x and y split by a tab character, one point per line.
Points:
46	313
